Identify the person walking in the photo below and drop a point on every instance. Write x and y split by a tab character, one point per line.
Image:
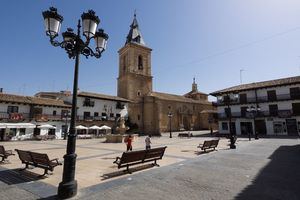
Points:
129	143
148	142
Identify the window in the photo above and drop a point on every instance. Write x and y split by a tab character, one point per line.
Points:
22	131
51	131
86	115
243	111
124	63
272	95
96	114
140	62
103	116
278	127
54	112
36	131
118	115
273	109
87	102
296	108
139	93
227	111
111	115
12	109
295	93
224	126
243	98
138	117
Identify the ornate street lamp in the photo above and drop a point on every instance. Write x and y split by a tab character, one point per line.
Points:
74	46
170	115
254	111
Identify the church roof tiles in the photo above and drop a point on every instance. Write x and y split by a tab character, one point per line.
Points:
179	98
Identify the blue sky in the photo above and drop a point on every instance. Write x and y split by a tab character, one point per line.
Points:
209	39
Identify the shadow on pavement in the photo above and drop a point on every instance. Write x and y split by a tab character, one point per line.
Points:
15	176
280	179
124	172
55	197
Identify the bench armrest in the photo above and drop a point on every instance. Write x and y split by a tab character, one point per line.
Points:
10	152
56	159
116	161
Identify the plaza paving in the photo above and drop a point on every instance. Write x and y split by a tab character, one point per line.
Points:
257	169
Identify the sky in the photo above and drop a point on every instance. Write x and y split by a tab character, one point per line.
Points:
214	41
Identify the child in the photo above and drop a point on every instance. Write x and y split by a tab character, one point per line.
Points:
148	142
129	143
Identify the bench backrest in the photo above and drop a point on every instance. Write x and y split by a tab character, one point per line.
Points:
214	143
156	153
132	156
207	143
24	156
2	150
40	158
142	155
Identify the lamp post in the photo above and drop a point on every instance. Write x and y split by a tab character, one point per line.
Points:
232	136
74	46
66	114
254	111
170	115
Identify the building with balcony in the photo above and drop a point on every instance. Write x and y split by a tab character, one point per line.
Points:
93	108
22	115
266	108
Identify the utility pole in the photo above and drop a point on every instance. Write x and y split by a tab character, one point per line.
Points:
241	80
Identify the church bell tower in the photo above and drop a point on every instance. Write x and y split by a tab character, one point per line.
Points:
135	80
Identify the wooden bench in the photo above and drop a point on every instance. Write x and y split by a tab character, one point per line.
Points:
209	144
5	153
185	135
40	160
137	157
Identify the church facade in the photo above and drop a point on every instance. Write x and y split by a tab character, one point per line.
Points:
156	112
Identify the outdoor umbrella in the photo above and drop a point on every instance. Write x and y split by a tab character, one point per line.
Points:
80	127
95	127
46	126
104	127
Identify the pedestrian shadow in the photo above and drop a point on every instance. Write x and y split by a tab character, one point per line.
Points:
279	179
15	176
124	172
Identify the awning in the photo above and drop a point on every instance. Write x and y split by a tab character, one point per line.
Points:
95	128
80	127
105	127
46	126
17	125
2	125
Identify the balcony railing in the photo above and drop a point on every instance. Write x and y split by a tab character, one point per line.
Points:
260	99
14	116
278	113
94	118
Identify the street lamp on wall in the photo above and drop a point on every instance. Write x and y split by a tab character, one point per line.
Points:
254	112
74	46
170	115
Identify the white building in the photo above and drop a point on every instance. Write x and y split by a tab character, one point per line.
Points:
94	108
267	108
20	116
